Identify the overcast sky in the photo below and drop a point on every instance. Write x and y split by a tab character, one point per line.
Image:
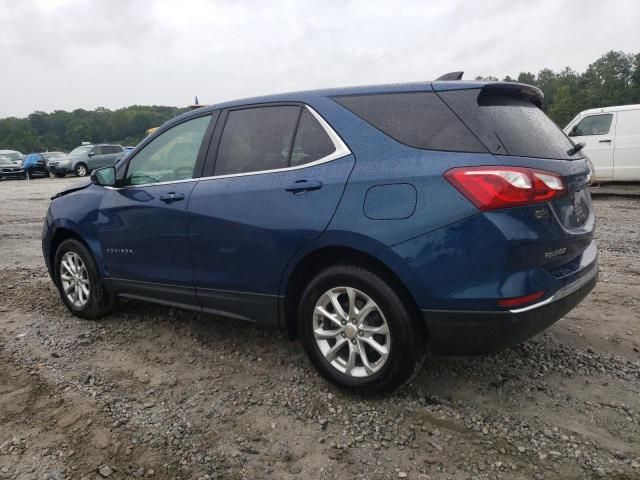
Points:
67	54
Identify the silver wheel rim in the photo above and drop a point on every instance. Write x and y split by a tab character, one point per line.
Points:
351	332
82	171
74	279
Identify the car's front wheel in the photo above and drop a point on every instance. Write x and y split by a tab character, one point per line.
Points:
78	282
81	170
358	332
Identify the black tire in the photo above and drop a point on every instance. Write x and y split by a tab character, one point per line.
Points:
100	302
81	170
407	334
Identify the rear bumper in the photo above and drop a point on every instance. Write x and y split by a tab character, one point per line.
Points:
479	332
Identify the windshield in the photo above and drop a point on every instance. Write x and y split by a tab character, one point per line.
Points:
15	156
5	159
80	150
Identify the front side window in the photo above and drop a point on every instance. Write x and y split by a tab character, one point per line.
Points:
256	139
593	125
169	157
96	151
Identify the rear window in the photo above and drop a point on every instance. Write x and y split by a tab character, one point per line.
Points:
417	119
509	125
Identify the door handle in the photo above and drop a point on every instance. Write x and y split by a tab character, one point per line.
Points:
172	197
300	186
605	141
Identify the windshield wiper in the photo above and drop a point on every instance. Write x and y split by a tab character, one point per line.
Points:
576	148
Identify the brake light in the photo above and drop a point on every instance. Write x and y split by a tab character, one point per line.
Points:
490	188
520	301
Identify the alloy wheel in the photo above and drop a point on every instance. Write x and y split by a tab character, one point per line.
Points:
351	332
74	279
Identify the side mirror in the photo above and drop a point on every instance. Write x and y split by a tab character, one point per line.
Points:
573	131
91	154
105	176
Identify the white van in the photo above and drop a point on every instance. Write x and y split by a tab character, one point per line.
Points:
612	138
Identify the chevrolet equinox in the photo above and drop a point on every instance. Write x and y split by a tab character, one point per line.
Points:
374	223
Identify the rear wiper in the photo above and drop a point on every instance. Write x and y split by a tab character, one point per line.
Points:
576	148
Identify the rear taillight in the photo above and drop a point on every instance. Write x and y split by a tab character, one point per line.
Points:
490	188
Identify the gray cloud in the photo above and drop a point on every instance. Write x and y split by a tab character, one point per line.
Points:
66	54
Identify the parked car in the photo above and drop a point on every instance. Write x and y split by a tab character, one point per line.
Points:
10	168
35	165
612	141
13	155
85	158
53	156
371	222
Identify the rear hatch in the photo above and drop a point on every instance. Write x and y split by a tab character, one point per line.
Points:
507	119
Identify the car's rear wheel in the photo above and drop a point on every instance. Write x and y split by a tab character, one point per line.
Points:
81	170
78	282
358	332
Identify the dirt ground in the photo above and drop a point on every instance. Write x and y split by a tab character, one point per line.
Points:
152	392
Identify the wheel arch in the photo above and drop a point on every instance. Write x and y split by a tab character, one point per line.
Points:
61	234
323	257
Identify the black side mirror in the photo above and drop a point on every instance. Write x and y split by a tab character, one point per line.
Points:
574	131
105	176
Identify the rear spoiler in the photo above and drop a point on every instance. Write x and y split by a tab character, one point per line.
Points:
451	81
528	92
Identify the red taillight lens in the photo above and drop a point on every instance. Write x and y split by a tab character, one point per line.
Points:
490	188
520	301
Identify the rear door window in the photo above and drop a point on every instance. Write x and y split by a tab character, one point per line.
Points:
509	125
593	125
257	139
417	119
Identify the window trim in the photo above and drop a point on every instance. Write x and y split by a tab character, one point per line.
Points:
200	160
342	150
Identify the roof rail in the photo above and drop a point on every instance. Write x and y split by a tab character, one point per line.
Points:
450	76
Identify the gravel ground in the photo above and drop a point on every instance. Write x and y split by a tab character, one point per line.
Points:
151	392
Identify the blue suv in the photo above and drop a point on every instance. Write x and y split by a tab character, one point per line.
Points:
373	222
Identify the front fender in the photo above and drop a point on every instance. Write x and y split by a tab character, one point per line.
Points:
74	215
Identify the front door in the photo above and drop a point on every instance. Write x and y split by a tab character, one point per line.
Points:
273	192
142	222
598	133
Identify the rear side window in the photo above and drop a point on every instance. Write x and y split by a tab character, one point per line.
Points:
593	125
509	125
312	142
417	119
256	139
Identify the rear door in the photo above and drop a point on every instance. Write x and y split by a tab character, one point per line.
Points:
142	223
626	160
278	177
598	133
